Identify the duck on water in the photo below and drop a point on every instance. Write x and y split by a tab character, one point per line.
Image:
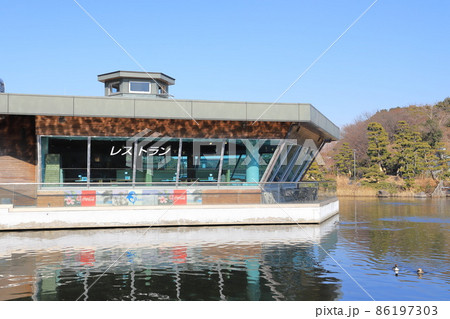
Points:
396	269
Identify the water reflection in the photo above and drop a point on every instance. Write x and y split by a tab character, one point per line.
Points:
413	233
241	263
213	263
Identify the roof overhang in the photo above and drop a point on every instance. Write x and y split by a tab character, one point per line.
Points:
83	106
106	77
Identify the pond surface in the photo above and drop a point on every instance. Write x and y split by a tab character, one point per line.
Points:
345	258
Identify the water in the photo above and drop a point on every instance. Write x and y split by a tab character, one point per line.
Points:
346	258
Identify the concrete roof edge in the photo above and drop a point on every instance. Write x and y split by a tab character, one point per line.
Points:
135	74
326	126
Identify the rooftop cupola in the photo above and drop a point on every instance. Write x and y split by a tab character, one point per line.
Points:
136	84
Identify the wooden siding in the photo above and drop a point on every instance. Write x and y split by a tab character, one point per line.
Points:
18	159
231	196
101	126
50	199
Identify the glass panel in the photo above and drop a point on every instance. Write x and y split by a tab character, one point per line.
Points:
115	87
139	86
237	162
157	161
111	160
266	152
305	164
200	160
291	158
233	168
299	166
280	164
64	160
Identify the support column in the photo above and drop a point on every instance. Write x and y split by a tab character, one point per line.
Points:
88	173
252	169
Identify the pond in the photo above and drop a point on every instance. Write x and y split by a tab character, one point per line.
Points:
349	257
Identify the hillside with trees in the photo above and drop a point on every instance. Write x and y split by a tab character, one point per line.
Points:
400	149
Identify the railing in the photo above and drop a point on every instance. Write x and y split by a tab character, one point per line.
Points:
163	193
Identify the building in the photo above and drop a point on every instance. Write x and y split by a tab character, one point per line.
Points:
138	146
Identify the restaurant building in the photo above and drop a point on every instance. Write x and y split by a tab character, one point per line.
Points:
137	145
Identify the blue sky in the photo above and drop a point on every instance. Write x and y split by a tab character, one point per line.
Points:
397	54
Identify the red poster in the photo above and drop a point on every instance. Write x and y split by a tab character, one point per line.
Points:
179	197
88	198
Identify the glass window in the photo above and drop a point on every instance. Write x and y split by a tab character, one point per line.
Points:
200	160
238	163
289	162
114	87
302	164
157	160
281	163
297	165
64	160
233	168
111	160
139	87
266	152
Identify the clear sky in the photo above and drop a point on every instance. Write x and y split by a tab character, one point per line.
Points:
397	54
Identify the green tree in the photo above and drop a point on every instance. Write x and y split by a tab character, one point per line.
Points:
314	173
373	174
377	145
344	160
433	135
424	157
413	156
441	170
404	140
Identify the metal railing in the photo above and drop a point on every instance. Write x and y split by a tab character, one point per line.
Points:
193	192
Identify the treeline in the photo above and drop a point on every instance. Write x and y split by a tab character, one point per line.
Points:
407	143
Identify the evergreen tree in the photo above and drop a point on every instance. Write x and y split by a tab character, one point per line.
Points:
314	173
377	145
413	156
344	160
442	168
433	135
404	140
424	158
373	174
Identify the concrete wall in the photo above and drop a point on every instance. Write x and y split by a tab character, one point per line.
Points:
17	242
58	218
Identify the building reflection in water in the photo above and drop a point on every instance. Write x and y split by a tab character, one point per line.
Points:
202	263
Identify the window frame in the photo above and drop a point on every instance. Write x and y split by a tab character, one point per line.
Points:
140	92
111	85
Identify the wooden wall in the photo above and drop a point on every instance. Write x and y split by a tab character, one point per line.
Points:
101	126
231	196
18	158
50	199
18	137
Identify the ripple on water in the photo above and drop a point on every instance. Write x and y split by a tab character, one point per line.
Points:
417	219
237	263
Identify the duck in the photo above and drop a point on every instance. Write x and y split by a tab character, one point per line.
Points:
395	269
420	271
